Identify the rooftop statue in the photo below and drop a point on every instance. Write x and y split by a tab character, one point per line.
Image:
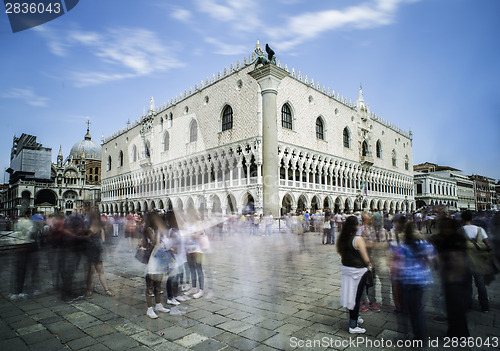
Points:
261	56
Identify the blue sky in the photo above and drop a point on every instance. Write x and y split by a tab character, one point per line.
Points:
431	66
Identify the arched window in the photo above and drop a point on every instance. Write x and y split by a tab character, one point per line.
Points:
347	137
227	118
407	163
193	131
379	149
170	120
166	141
364	148
134	153
147	149
394	158
109	163
319	129
120	159
286	117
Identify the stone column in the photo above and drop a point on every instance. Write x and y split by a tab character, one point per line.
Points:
269	77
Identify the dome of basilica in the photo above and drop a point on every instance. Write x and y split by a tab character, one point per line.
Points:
91	149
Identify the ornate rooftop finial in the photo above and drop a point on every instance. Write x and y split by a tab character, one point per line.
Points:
260	56
361	101
258	47
151	104
87	136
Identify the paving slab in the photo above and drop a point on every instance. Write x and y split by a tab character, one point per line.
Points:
191	340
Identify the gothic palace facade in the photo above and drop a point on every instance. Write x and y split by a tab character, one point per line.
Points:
204	150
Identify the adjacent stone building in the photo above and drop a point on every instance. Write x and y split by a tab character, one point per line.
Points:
484	189
224	145
37	184
437	186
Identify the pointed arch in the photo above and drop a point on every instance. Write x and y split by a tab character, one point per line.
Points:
193	131
227	118
287	203
286	116
231	204
320	128
120	159
134	153
166	141
346	135
302	203
364	148
247	203
379	149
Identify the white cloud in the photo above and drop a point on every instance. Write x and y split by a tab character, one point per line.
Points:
223	48
27	95
122	52
182	15
309	25
242	15
57	45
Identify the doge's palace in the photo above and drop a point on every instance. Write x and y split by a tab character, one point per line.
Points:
258	138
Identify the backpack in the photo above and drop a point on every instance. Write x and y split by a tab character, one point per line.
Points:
479	255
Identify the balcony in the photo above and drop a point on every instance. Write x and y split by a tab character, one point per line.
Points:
366	160
145	162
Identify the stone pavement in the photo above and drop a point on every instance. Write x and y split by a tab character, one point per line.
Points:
265	294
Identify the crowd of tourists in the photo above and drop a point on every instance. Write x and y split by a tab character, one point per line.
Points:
412	254
402	256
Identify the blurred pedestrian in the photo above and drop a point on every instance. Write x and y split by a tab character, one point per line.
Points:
154	272
477	240
355	260
416	275
95	249
452	252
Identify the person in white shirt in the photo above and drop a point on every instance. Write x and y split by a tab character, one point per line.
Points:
472	232
269	224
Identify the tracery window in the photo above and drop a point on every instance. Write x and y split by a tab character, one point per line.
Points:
193	131
227	118
166	141
319	129
134	153
364	148
379	149
347	137
286	117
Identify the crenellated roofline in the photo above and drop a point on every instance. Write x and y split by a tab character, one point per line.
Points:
237	67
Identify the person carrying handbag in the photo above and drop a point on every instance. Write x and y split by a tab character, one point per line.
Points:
480	260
